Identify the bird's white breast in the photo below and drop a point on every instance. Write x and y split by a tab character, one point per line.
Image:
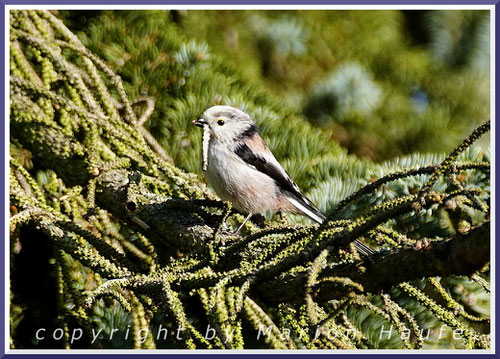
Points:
248	189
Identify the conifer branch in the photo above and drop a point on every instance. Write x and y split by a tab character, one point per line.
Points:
148	235
462	255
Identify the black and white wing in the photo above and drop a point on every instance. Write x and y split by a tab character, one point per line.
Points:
252	149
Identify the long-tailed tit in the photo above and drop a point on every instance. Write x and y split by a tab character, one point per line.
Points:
242	170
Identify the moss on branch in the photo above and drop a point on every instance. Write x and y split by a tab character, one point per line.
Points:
138	238
463	255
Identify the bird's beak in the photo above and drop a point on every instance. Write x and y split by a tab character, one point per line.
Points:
200	122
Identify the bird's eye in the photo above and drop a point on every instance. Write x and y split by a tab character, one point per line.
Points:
220	121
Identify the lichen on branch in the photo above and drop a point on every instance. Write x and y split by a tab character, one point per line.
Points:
135	238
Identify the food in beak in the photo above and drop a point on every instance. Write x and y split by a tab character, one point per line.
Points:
200	122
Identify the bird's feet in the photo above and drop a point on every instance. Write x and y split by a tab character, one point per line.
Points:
231	233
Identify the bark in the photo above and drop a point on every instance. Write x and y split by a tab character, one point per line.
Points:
176	223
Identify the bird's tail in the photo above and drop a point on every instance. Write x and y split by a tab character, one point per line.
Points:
313	213
307	209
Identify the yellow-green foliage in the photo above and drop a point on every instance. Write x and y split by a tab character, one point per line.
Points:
84	172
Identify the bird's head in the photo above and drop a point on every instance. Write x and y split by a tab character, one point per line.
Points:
226	123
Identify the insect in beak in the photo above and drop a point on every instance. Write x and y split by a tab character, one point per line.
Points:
200	122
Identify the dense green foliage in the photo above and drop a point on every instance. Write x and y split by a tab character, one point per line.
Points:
387	82
307	78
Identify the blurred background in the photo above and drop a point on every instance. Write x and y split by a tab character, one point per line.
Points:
341	97
386	83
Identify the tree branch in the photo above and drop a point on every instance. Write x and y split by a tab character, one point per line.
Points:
177	223
174	222
461	255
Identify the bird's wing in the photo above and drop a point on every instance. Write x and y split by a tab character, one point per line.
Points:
254	151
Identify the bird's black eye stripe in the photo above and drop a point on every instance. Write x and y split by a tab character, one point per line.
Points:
220	122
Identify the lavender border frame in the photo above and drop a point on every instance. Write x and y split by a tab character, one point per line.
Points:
213	2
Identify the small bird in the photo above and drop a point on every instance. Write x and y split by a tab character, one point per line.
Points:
241	169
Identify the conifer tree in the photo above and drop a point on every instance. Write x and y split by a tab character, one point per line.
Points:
111	227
